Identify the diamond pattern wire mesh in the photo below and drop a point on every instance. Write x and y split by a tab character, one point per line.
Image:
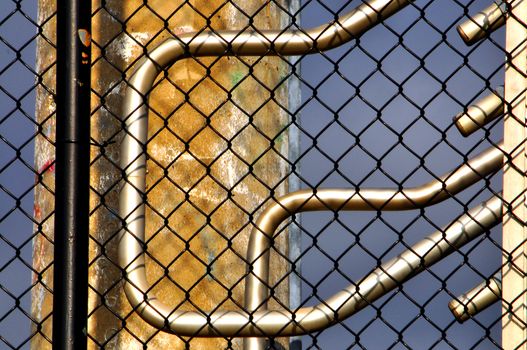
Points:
230	135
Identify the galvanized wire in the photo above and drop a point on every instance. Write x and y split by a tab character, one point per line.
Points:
381	111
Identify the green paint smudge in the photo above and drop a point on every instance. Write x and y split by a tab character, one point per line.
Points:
236	77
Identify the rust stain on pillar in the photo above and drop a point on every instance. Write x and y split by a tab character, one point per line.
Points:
217	150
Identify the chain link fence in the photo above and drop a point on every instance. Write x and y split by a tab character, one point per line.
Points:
238	169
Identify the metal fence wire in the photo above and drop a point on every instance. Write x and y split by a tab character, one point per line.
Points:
267	174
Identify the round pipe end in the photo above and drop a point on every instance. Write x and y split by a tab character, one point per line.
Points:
480	113
482	24
476	300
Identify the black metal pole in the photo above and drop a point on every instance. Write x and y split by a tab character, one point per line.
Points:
70	294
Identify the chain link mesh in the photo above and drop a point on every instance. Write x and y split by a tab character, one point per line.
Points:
227	137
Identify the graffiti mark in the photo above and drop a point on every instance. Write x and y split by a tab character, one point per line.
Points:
49	165
37	212
236	77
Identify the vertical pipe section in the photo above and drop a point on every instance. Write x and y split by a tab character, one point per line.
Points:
70	307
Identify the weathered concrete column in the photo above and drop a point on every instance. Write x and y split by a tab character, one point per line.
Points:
217	150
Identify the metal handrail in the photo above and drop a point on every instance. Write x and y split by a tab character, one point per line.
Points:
428	194
257	282
279	322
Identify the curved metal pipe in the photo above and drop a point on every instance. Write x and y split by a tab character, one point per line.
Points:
256	288
483	23
477	299
343	304
307	319
249	43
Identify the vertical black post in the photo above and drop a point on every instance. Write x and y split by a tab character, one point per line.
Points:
70	295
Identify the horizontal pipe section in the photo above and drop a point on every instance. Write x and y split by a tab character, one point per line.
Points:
481	113
477	299
483	23
135	119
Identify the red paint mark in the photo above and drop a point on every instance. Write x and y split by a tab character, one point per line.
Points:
49	165
37	212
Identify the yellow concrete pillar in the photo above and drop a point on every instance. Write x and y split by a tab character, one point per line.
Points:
217	151
514	282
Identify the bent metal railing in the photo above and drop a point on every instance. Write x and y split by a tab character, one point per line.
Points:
256	320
